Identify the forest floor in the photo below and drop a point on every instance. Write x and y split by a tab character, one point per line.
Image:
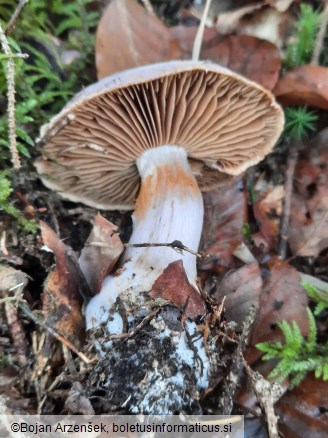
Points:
265	234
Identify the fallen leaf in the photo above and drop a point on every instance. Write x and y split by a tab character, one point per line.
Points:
303	411
304	85
128	36
12	281
267	212
258	20
282	298
97	261
77	402
229	21
225	215
308	230
256	59
243	253
8	377
242	289
62	302
185	36
12	285
281	5
173	285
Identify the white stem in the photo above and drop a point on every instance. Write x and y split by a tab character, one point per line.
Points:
200	32
169	207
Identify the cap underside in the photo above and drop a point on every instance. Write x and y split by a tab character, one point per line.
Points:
225	122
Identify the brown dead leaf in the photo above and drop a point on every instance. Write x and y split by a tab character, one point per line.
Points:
12	281
282	298
303	411
304	85
77	402
98	261
254	58
61	298
173	285
12	285
229	21
251	57
128	36
242	289
267	212
8	377
259	20
308	231
225	214
281	5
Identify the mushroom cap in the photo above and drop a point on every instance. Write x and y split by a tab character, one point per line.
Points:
225	122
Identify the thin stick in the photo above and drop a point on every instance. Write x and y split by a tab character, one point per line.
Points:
37	320
141	325
176	245
148	7
232	380
10	77
319	42
285	218
13	19
267	394
14	56
200	32
3	248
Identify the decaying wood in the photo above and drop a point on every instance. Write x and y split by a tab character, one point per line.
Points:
267	394
233	378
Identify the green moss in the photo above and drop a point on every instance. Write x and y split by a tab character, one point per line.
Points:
300	121
45	30
298	355
28	225
300	48
43	83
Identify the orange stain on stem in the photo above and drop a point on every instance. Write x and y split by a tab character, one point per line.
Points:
168	182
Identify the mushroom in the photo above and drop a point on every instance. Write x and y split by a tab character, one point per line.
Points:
130	136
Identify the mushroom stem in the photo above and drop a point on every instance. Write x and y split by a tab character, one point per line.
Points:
169	207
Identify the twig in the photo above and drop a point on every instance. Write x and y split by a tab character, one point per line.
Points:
17	332
200	32
10	77
3	248
233	377
289	177
14	56
57	380
176	245
267	394
10	26
319	42
148	7
142	324
37	320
